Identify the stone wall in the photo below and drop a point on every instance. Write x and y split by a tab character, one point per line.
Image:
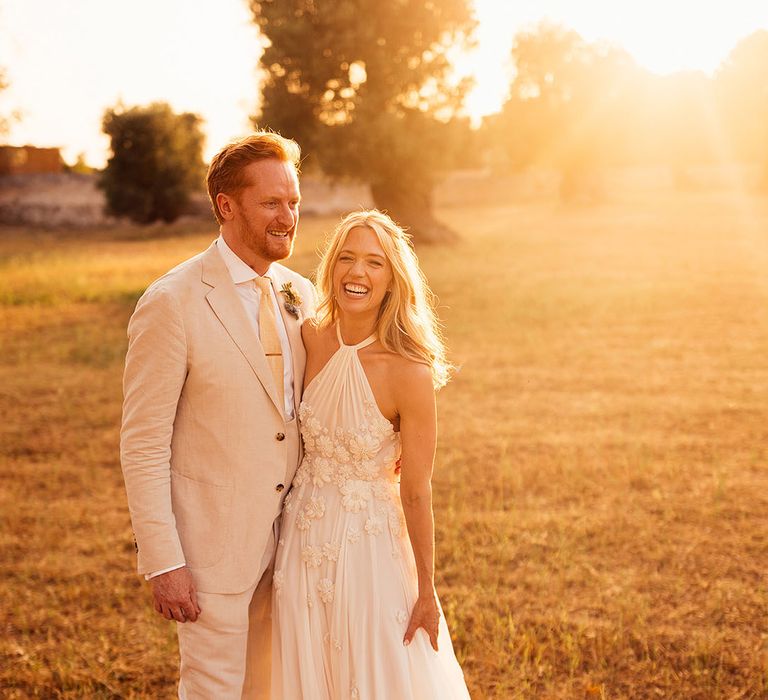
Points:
52	201
74	200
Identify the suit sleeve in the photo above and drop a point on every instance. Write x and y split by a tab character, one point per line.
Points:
155	371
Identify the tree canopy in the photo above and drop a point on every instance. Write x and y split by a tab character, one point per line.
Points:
156	161
569	103
366	89
742	85
4	120
579	107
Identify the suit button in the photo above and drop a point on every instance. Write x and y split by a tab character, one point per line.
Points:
280	437
279	488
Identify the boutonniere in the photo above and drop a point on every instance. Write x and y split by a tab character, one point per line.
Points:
292	299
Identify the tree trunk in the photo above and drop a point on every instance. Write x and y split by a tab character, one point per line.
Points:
412	208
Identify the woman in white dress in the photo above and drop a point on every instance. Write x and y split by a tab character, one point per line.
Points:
355	613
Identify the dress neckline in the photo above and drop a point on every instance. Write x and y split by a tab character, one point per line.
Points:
358	346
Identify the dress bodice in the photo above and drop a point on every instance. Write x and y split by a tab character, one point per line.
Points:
345	435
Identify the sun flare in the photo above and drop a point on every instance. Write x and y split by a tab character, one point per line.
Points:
662	37
43	51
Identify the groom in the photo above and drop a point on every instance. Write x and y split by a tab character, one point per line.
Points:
209	441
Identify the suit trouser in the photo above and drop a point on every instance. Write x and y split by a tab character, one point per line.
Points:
225	653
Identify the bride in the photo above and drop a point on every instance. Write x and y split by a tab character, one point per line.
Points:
355	613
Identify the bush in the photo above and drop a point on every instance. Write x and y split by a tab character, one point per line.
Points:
156	162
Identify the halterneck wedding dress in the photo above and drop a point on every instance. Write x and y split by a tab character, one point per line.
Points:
345	578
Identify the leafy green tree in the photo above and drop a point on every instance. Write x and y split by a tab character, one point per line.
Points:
156	162
365	87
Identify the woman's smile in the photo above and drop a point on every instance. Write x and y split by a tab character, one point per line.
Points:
362	272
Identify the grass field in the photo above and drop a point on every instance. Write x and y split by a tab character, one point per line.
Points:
601	489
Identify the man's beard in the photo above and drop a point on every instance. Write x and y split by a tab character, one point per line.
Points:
259	243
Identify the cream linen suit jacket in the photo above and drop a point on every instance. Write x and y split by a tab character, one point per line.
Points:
202	444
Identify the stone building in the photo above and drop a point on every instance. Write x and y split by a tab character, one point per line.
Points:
30	160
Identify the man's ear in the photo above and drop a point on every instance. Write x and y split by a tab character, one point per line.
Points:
226	204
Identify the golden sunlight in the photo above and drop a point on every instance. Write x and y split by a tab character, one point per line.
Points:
662	37
41	51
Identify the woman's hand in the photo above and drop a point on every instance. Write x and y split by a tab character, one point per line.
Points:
425	614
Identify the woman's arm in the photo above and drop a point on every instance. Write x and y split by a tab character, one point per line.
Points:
415	399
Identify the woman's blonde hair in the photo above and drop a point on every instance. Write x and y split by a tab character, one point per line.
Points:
407	322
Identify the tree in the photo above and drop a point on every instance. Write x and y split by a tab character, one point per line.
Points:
80	166
569	106
682	125
156	161
5	122
742	85
365	87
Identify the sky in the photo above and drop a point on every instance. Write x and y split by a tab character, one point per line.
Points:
69	61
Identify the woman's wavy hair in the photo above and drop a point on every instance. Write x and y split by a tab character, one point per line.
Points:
407	322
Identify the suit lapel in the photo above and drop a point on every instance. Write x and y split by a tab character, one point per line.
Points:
226	304
293	328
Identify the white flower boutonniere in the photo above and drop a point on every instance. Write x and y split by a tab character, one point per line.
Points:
292	299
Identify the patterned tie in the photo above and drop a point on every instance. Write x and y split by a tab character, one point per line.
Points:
270	340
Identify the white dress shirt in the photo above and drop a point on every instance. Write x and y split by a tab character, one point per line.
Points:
243	276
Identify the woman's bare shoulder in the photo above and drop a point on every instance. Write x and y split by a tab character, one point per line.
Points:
314	335
308	330
407	373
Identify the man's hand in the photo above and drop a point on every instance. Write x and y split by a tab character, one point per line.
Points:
175	595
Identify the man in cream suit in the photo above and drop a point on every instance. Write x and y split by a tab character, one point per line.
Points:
210	441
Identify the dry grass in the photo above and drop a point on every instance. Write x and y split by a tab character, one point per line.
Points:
601	492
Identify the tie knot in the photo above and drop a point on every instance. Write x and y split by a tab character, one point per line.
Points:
262	283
